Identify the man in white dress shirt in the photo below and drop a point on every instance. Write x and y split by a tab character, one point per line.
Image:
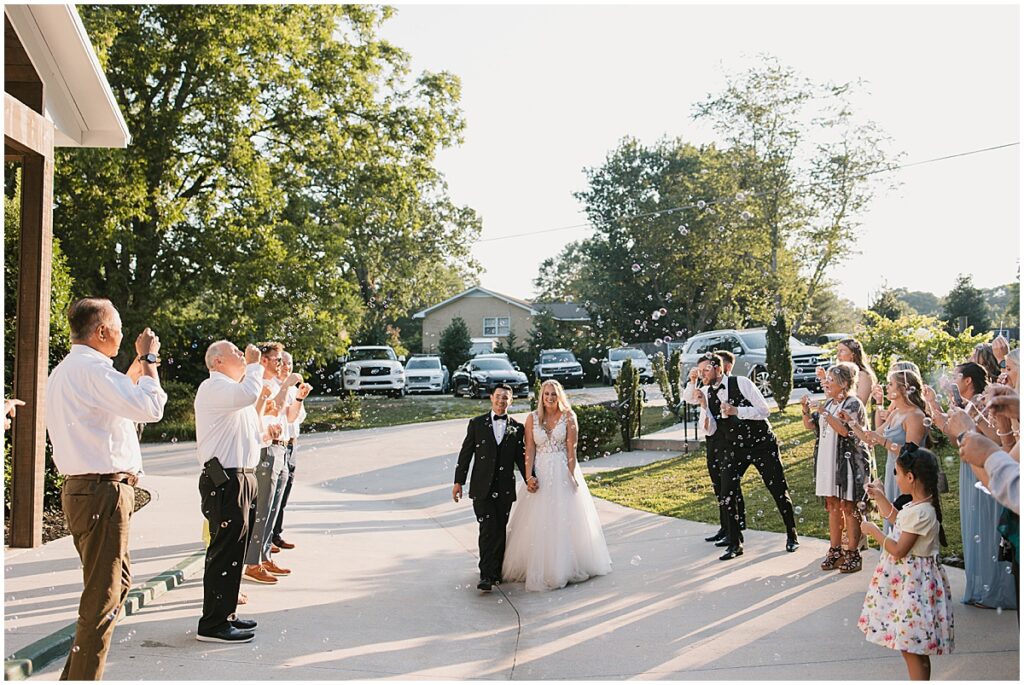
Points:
91	412
259	566
740	413
294	414
228	434
715	444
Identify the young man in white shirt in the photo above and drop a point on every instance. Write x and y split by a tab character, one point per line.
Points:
715	444
91	412
740	411
259	567
228	434
294	413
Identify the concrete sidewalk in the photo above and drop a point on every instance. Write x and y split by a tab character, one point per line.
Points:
384	576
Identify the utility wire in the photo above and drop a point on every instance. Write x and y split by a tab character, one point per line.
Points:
702	203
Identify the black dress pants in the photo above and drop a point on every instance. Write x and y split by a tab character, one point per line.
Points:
768	463
492	515
228	509
716	450
279	524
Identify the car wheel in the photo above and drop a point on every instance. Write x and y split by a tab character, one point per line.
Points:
759	376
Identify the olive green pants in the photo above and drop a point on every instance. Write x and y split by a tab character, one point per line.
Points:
98	515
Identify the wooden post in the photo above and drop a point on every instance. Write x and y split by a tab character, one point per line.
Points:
29	134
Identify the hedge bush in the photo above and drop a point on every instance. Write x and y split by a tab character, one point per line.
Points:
597	426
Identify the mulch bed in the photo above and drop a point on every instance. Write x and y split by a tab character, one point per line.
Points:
55	525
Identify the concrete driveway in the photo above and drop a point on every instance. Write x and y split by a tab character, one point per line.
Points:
383	587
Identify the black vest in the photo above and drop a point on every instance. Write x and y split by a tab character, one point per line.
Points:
744	434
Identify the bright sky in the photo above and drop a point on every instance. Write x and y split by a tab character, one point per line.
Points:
549	90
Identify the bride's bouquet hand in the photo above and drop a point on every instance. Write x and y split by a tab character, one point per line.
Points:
572	480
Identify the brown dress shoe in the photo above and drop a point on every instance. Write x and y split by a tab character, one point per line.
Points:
284	544
274	549
258	574
275	569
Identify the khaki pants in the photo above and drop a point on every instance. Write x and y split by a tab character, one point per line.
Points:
98	515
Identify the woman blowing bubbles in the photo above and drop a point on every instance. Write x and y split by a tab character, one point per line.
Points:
842	464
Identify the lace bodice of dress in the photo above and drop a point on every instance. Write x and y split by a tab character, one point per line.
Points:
553	443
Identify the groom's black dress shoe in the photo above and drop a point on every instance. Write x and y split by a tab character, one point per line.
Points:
720	535
230	635
731	553
724	542
243	623
792	544
484	586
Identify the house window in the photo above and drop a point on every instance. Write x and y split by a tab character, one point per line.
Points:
496	326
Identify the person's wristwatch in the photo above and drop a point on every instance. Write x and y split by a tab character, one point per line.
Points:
149	358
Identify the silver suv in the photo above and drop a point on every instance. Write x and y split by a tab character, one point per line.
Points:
750	346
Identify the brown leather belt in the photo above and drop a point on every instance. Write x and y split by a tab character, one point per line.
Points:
129	478
236	471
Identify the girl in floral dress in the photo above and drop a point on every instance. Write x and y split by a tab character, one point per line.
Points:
908	606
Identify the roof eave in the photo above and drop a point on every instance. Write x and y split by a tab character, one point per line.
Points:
78	96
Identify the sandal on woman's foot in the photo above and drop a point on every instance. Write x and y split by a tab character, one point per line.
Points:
851	563
832	558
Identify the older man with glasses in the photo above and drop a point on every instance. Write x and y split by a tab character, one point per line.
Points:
91	412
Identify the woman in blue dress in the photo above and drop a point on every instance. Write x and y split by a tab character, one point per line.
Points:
990	582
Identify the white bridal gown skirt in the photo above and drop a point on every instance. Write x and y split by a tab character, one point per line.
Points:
554	534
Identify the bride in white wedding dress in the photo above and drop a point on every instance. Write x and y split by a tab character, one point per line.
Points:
554	535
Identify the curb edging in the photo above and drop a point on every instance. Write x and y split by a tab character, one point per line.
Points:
36	656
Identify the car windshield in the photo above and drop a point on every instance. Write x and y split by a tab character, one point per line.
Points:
758	340
557	358
368	354
424	364
619	355
492	365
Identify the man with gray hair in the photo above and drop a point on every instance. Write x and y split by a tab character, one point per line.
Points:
228	435
91	412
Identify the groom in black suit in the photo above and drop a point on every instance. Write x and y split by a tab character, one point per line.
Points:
496	442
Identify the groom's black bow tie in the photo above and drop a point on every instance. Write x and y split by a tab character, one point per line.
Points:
499	418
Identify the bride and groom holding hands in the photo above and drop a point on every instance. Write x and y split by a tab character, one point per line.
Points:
553	535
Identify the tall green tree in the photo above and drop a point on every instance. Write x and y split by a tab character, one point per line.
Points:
809	167
965	300
652	271
454	344
928	304
277	151
886	303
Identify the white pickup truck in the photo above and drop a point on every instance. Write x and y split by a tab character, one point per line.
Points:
374	368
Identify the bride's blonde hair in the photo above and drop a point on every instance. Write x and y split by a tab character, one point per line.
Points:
563	401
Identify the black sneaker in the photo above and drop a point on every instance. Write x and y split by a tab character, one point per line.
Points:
484	586
720	535
229	635
243	623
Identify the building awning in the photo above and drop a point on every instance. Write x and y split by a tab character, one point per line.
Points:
78	98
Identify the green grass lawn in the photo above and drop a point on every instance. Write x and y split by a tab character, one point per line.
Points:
680	486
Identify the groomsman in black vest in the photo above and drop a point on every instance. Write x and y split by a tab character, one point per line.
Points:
715	443
740	411
496	443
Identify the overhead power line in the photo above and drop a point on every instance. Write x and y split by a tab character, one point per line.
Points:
706	203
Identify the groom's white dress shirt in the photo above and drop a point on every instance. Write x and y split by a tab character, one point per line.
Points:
499	427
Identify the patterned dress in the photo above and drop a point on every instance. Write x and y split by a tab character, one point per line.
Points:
908	605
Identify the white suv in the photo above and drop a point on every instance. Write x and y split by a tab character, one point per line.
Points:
611	365
425	373
374	368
